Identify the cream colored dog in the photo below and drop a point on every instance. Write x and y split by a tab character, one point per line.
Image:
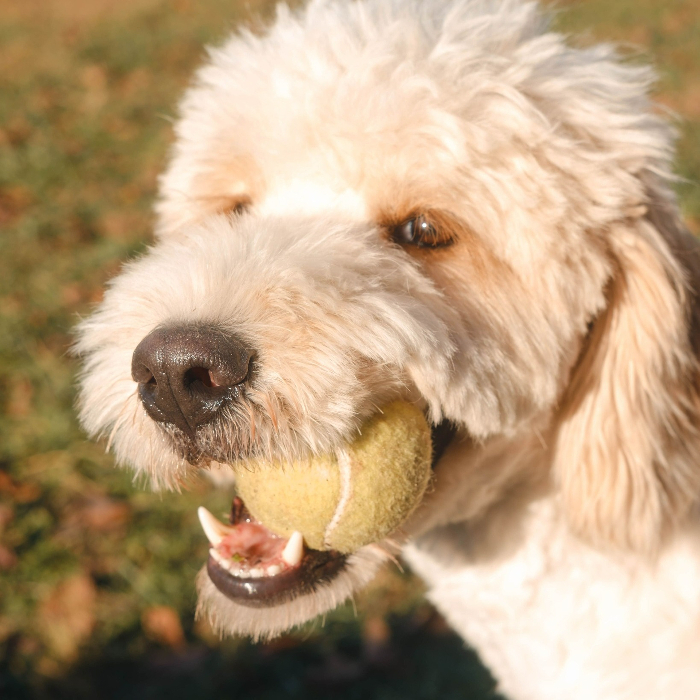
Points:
438	201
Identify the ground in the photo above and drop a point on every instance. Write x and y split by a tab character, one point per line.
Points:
97	575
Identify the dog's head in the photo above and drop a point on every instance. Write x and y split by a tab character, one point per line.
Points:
434	201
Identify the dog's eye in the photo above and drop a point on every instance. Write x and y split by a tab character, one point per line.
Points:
238	206
421	233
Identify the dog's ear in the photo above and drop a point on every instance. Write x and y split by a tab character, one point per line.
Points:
627	455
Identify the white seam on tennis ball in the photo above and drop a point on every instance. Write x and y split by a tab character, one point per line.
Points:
345	468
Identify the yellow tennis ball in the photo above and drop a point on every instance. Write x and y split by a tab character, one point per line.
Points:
353	498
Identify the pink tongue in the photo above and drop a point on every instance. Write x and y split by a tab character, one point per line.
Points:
252	545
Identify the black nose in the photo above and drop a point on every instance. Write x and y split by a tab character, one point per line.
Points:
187	373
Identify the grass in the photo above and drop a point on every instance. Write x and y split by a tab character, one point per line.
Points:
96	575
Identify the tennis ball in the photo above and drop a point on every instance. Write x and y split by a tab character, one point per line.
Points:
357	496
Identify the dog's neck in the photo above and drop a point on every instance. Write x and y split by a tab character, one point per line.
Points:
472	478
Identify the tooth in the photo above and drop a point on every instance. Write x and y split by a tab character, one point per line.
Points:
213	529
257	572
273	570
219	558
294	550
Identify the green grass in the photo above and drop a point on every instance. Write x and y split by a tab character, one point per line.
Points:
96	575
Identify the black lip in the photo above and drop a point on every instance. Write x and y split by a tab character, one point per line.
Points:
316	568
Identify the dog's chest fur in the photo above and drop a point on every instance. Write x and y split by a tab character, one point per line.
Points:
555	618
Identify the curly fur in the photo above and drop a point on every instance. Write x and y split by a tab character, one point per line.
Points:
559	332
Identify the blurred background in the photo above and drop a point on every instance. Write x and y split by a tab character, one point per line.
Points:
96	574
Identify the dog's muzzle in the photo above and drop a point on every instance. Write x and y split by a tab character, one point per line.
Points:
187	374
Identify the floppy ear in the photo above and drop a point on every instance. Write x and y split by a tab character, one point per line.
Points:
627	455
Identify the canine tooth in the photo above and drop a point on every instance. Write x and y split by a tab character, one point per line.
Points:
218	558
294	549
273	570
213	529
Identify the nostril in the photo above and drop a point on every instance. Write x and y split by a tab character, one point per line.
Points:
200	374
142	375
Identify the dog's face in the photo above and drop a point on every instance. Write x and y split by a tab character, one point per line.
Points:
371	203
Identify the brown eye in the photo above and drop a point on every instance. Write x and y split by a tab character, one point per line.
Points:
421	233
238	206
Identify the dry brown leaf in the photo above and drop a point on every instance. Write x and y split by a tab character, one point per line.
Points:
162	624
67	616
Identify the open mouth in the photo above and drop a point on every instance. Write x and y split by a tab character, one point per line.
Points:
253	566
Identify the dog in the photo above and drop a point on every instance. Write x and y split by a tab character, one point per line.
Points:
443	202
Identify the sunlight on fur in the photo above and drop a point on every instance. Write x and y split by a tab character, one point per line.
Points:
444	202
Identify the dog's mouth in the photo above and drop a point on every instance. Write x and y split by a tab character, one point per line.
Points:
255	567
251	565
